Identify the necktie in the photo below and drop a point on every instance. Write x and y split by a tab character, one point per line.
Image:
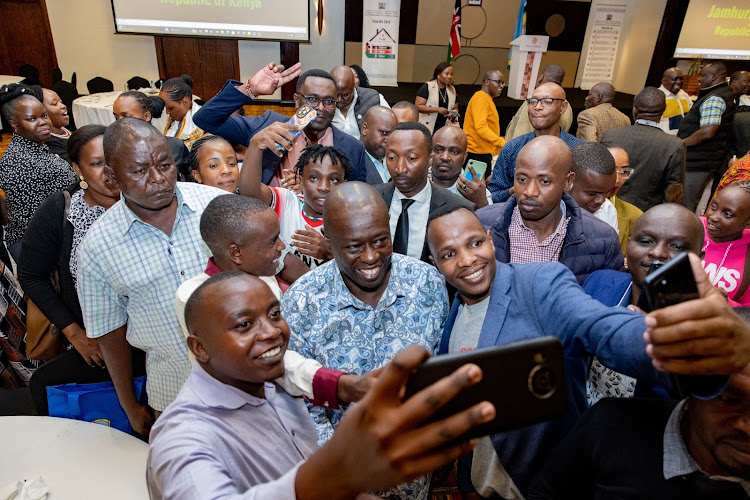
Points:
401	238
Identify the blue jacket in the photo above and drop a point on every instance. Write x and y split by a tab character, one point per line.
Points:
611	288
532	300
216	117
589	244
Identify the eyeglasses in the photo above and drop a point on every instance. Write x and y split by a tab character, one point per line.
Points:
313	101
625	172
546	101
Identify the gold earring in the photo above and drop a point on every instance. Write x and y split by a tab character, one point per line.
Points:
84	185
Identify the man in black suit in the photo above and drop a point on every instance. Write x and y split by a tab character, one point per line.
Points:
377	125
657	158
410	196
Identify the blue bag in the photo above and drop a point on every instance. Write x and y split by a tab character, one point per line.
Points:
95	403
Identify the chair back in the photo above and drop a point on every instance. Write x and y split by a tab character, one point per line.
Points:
99	84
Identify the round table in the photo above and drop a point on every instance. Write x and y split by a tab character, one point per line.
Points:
96	109
77	460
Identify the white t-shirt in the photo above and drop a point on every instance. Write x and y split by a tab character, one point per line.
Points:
289	208
608	213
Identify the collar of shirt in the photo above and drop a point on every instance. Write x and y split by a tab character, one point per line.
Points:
648	123
211	268
345	299
517	220
677	459
380	166
423	196
128	218
216	394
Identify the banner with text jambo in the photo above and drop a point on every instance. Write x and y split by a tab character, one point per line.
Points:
380	41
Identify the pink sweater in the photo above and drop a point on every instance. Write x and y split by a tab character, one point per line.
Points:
725	265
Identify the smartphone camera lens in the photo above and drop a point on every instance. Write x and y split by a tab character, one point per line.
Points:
542	382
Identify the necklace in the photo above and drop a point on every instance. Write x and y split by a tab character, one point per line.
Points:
304	213
443	94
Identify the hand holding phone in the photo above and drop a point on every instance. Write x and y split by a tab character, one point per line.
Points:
479	167
525	381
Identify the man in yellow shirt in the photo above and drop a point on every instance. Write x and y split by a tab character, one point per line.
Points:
482	123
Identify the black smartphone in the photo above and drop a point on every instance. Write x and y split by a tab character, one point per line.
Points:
524	380
669	284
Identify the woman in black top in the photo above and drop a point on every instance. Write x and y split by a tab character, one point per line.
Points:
59	119
51	243
29	172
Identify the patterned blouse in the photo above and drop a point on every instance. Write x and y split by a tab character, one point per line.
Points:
29	173
81	215
332	326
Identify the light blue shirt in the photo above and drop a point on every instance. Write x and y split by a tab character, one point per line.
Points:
129	272
340	331
380	167
216	441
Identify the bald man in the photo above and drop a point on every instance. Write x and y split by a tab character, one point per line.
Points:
657	159
448	159
542	223
482	122
520	123
678	101
706	131
377	125
599	115
546	107
352	102
133	260
356	312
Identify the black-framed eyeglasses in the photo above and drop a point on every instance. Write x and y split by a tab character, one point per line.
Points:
313	101
546	101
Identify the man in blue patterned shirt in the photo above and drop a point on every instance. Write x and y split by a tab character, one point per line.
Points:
546	107
356	312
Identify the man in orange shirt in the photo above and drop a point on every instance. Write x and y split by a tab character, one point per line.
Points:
482	123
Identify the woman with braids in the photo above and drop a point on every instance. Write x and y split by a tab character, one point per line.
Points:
177	94
726	259
51	243
213	162
318	170
29	172
136	104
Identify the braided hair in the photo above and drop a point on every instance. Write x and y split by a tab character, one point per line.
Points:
11	96
197	145
179	88
153	104
316	153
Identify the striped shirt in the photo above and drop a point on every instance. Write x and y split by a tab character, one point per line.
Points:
129	272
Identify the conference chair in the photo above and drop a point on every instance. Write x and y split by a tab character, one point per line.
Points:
68	93
99	84
137	83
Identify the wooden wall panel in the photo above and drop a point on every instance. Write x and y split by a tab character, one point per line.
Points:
26	38
209	61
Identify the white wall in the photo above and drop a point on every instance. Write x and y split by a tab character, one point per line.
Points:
640	31
85	42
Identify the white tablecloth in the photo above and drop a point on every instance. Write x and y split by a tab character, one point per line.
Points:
8	79
96	109
77	460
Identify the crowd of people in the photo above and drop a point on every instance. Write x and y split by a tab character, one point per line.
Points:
278	283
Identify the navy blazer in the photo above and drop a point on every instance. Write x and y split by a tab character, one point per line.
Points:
532	300
216	117
373	176
441	197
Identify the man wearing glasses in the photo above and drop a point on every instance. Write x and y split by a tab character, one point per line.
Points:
546	107
317	89
482	123
657	159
